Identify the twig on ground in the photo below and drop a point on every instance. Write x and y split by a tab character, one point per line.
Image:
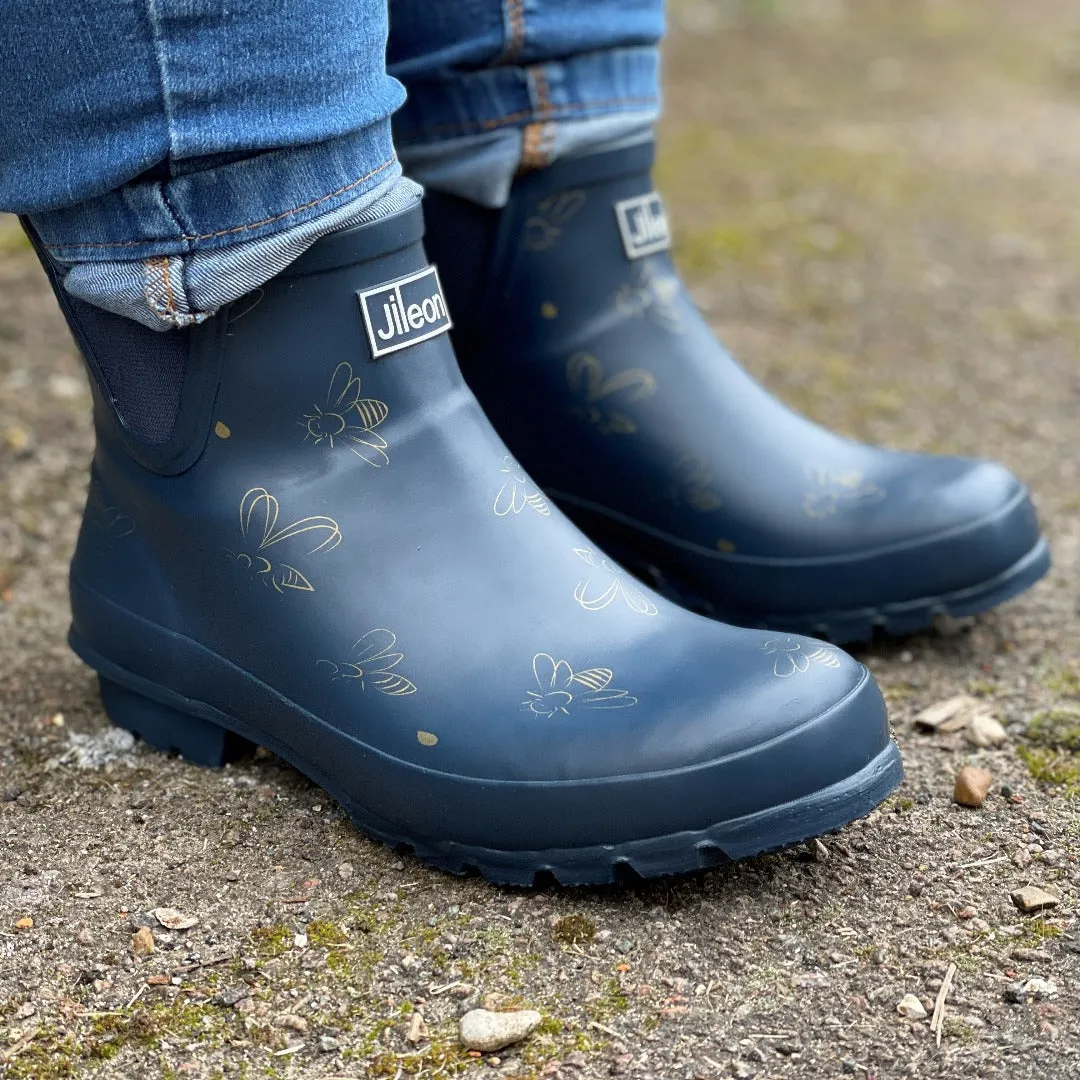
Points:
984	862
937	1021
203	963
605	1029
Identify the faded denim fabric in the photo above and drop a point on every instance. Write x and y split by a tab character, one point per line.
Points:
139	133
175	154
498	86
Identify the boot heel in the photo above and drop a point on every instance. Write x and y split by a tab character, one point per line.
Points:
196	740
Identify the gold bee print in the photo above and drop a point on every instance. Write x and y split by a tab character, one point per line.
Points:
610	583
601	400
373	660
543	229
652	294
258	526
790	658
831	493
349	420
518	492
692	485
559	689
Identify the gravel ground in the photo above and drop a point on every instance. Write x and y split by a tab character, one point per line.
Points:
876	205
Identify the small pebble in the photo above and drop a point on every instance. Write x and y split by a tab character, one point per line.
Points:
142	941
911	1007
972	786
66	387
985	731
1031	956
480	1029
1031	898
172	919
233	995
1040	988
418	1030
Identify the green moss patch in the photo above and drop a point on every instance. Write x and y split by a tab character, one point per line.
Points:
574	930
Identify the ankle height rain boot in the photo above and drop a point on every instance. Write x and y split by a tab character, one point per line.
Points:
592	362
303	532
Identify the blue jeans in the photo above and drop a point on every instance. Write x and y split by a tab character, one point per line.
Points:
172	155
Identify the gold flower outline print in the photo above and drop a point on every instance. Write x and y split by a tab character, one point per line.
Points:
559	689
601	400
518	492
348	420
790	658
833	493
652	294
692	485
373	660
259	512
615	582
543	229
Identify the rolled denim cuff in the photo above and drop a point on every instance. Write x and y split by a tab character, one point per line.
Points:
221	207
482	168
577	88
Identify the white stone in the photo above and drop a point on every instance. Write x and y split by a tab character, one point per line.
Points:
985	731
1040	988
911	1007
480	1029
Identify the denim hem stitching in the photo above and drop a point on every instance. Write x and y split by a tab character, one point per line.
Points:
553	112
238	228
515	42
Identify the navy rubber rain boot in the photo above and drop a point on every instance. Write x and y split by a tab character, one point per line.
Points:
593	363
303	532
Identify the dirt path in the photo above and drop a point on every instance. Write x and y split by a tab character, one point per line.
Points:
877	205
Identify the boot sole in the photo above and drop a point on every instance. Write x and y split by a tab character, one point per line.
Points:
206	736
860	625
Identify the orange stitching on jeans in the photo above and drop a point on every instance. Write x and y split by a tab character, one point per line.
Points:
532	155
240	228
170	300
543	91
537	138
527	114
516	42
150	291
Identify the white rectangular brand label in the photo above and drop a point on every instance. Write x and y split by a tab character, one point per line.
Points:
643	225
404	312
